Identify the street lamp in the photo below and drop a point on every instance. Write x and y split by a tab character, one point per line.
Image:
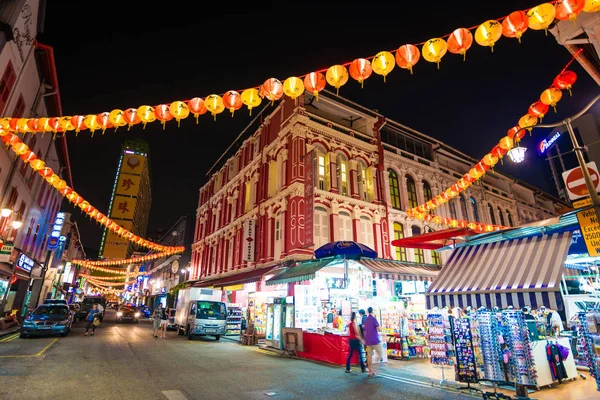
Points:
517	154
6	212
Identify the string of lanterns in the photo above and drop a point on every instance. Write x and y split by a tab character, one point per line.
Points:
154	256
30	158
536	111
406	57
112	278
109	284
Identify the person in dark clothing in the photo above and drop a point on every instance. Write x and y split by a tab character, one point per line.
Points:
363	316
527	314
356	340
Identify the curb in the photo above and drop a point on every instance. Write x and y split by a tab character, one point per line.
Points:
10	331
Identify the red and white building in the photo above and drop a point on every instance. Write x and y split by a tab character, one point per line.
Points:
257	209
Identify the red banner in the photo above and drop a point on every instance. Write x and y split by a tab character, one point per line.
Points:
309	198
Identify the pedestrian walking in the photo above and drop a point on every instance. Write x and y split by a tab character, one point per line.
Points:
92	320
157	316
356	343
164	321
371	336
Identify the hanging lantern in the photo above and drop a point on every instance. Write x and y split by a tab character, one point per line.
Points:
488	33
115	117
293	86
163	114
407	56
22	125
37	164
540	17
498	151
460	41
54	125
32	125
463	184
360	69
569	9
251	99
214	105
66	191
527	121
131	118
45	172
20	148
383	63
490	159
481	167
468	178
28	156
179	110
515	25
65	124
272	89
91	123
60	184
146	115
314	83
232	101
5	123
434	49
42	125
551	96
506	143
475	174
336	76
197	107
591	6
516	133
565	80
102	120
538	109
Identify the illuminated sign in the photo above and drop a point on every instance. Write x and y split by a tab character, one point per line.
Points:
59	221
546	143
25	263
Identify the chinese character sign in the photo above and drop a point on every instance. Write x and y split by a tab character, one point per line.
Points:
128	185
133	164
123	207
249	239
56	230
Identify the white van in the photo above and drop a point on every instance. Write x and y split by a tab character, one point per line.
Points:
200	312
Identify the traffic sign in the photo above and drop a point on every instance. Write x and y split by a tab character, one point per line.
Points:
582	203
590	229
575	183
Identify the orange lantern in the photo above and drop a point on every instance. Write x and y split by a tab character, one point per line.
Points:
540	17
591	6
214	104
163	114
475	174
65	124
569	9
565	80
506	143
102	120
232	101
37	164
20	148
91	123
516	133
538	109
272	89
146	114
488	33
197	107
314	83
498	151
116	118
337	76
428	217
551	96
468	178
360	69
131	118
515	25
42	125
527	121
434	49
407	56
28	156
45	172
179	110
490	159
383	63
32	125
460	41
481	167
294	87
251	98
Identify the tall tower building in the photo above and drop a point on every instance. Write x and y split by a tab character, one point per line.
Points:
130	200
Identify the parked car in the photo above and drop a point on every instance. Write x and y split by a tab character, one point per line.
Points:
55	301
128	314
47	319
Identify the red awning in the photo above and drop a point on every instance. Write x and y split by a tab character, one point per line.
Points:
254	275
435	240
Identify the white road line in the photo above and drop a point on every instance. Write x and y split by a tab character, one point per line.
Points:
403	380
174	395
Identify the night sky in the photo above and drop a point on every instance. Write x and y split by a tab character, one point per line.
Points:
127	54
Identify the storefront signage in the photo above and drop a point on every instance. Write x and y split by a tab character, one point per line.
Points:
546	143
25	263
59	221
249	239
6	252
309	198
336	283
590	229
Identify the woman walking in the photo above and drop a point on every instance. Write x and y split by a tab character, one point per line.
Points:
157	316
92	320
164	321
356	342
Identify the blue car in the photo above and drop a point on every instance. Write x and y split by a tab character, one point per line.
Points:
47	319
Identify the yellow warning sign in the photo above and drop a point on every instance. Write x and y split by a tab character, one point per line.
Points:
590	230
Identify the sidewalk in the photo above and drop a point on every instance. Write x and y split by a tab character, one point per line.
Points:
6	332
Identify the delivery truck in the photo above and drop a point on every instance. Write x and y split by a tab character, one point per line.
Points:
200	312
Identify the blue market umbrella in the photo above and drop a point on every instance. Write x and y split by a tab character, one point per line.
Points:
346	250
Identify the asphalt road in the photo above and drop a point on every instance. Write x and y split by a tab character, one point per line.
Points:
124	361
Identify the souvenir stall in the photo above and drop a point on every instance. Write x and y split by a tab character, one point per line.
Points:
588	329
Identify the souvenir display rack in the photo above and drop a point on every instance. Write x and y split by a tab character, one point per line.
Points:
234	320
465	367
439	335
589	337
521	367
490	337
477	354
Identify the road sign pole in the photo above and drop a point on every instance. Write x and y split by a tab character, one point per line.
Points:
582	164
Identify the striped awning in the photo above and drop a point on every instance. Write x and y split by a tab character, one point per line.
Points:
401	270
304	271
516	273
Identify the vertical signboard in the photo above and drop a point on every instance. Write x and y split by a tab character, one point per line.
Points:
309	198
590	229
59	221
249	239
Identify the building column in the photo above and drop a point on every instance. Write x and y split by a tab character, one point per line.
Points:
403	192
356	228
385	187
420	196
376	185
333	176
284	167
353	165
270	234
377	239
285	217
334	221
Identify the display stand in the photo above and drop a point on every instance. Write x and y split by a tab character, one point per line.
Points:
234	320
291	344
491	352
521	367
465	367
439	335
589	335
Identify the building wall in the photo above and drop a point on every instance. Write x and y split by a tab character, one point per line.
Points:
353	168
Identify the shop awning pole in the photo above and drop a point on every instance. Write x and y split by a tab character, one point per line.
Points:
345	272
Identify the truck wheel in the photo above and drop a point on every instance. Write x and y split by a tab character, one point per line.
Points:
189	333
217	337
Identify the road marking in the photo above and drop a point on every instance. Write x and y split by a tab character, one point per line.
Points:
9	338
404	380
46	348
174	395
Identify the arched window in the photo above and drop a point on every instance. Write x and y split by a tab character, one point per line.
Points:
366	230
345	231
321	231
452	208
342	172
474	208
509	218
322	170
419	254
463	208
399	234
501	214
492	216
427	194
411	189
394	190
435	258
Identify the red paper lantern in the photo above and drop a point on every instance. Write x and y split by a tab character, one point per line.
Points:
314	83
569	9
515	25
32	123
565	80
103	121
163	114
360	69
232	101
538	110
77	122
28	156
460	41
196	106
407	56
131	117
515	133
272	89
